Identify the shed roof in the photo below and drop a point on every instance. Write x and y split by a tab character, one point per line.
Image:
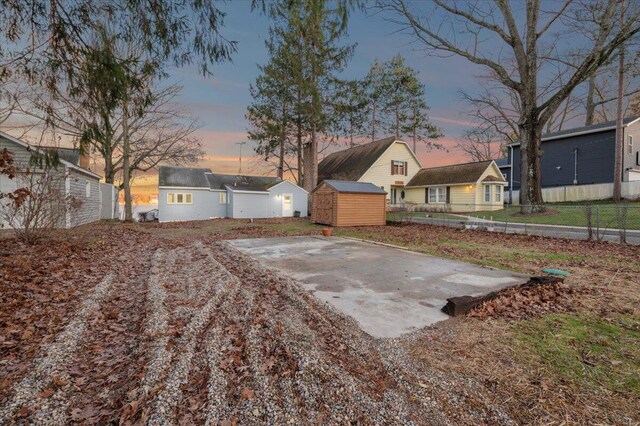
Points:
187	177
451	175
355	187
352	163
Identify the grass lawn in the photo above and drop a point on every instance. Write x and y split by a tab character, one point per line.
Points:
569	214
399	216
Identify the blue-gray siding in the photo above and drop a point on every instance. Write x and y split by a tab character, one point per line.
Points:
205	205
247	205
595	160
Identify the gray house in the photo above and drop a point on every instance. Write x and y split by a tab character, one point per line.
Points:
582	156
80	190
199	194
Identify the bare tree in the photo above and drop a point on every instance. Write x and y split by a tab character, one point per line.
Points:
482	144
160	133
44	206
526	51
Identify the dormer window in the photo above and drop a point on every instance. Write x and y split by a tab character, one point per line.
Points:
399	167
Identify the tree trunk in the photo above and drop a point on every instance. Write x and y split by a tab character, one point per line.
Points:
109	174
530	178
373	122
126	157
300	153
307	160
591	104
282	142
397	123
617	169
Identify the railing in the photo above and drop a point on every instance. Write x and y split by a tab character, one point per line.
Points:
598	221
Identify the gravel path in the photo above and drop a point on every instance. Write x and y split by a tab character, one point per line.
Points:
224	340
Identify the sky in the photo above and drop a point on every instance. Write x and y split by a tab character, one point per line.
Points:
220	102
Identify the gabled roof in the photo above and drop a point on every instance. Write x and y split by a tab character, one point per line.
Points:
352	163
191	177
584	130
63	155
72	155
242	182
451	175
187	177
354	187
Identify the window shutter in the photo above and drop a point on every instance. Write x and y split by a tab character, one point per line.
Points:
406	165
392	167
448	199
426	195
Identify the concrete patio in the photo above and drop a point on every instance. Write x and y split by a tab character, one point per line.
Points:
387	290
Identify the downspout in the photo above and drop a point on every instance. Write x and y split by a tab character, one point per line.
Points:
67	196
575	166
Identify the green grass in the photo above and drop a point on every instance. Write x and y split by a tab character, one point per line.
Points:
586	350
567	214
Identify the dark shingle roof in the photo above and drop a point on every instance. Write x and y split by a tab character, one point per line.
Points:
183	176
492	178
352	163
241	182
355	187
451	175
71	155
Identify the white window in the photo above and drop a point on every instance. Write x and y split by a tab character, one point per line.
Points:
438	195
487	193
630	144
179	198
87	188
498	196
222	198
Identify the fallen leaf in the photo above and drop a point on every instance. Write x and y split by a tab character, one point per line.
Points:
46	393
246	394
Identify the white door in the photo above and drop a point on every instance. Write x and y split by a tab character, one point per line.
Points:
287	205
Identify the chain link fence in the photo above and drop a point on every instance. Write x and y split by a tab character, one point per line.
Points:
602	221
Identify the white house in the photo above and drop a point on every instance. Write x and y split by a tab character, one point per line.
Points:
199	194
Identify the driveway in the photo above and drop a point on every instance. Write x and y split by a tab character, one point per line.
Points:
387	290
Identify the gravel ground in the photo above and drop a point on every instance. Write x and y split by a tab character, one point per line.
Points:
224	340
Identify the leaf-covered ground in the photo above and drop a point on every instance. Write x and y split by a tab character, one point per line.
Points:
166	324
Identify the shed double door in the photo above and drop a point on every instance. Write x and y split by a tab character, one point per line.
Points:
324	208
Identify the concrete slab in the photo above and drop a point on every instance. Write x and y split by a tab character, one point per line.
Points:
388	291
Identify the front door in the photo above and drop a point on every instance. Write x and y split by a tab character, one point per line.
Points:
287	205
393	196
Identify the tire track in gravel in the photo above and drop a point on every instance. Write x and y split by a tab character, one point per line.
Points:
349	402
211	289
55	357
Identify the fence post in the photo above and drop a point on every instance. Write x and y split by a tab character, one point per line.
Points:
597	222
506	218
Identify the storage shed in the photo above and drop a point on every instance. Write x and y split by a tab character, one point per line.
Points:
348	203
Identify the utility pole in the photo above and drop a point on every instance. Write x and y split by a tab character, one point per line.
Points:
617	178
240	168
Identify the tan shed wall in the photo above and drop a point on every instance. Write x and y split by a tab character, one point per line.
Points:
361	209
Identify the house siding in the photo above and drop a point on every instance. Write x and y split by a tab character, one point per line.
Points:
250	205
380	172
69	179
300	199
631	161
205	205
89	207
596	154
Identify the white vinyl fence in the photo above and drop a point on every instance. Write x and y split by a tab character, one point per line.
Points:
108	201
601	191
